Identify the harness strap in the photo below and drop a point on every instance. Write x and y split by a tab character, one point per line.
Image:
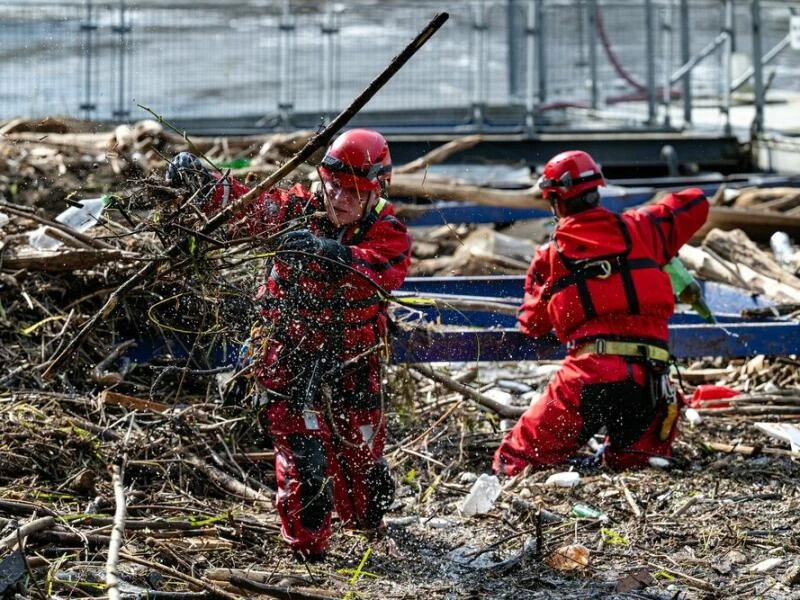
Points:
622	348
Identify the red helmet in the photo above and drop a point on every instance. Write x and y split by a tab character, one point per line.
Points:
358	159
569	174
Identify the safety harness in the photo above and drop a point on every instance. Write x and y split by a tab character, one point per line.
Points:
583	270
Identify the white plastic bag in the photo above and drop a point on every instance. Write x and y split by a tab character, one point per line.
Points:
481	496
78	219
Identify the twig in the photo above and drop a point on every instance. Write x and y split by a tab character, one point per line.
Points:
281	592
748	450
630	499
26	530
691	581
120	516
440	154
209	587
224	480
509	412
117	531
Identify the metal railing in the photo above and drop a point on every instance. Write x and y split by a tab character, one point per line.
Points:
521	64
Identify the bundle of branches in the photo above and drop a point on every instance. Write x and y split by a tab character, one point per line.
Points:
43	162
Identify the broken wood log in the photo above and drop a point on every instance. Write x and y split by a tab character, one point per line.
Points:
25	530
67	259
759	225
748	450
224	480
282	592
438	155
712	268
424	186
737	248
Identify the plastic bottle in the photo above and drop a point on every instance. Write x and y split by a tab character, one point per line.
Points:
782	247
77	218
481	496
687	290
585	511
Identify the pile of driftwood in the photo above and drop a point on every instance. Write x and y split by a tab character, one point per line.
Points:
126	478
107	493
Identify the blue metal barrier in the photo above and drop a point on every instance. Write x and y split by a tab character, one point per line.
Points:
481	335
686	341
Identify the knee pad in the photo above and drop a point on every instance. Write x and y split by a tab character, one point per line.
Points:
624	407
316	495
381	485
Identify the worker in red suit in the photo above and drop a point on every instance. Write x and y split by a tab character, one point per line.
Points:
316	351
599	285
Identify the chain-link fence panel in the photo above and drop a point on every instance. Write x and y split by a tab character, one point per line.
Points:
265	62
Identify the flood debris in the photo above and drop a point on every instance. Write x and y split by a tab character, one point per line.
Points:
142	427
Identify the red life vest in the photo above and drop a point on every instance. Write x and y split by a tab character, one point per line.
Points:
320	305
604	281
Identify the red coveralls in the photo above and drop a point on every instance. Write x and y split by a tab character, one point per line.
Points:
601	278
316	316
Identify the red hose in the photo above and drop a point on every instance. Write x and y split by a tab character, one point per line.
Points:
641	89
613	57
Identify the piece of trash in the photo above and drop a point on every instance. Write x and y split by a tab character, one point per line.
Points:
636	580
585	511
692	416
507	424
439	523
782	431
568	558
782	247
659	462
467	477
12	571
500	396
765	565
564	479
704	396
481	496
3	219
80	217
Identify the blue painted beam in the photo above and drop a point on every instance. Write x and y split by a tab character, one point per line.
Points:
730	340
686	341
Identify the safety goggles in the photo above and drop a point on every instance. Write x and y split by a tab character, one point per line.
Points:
371	174
565	182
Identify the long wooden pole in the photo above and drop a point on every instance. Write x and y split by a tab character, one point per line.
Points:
319	140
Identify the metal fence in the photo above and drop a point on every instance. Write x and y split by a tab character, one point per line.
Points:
514	63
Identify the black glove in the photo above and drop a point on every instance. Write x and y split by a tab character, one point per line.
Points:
185	170
305	241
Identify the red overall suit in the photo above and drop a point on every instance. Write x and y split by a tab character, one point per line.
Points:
600	278
328	452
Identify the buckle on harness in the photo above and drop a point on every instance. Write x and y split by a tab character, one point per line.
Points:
600	346
605	268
